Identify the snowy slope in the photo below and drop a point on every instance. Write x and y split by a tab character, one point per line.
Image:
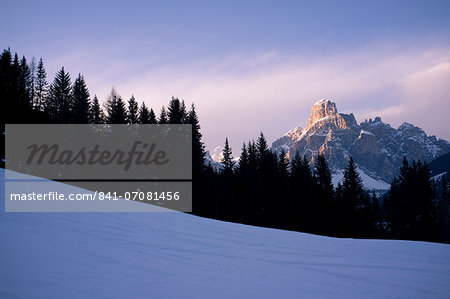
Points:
174	255
369	183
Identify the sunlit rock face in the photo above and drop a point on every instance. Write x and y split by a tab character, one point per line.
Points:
376	147
325	115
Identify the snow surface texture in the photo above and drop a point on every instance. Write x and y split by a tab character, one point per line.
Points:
175	255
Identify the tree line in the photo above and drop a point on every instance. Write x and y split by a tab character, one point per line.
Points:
267	189
29	98
261	188
271	190
25	88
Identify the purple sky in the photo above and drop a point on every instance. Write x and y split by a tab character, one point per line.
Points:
250	66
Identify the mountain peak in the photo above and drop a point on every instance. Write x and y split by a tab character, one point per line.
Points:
376	147
322	101
320	110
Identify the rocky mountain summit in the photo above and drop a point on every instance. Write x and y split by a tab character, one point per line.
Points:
377	148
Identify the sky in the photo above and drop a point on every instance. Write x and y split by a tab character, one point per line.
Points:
249	66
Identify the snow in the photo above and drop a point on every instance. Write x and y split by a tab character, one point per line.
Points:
217	155
367	132
292	132
385	151
319	102
405	126
323	118
438	177
303	134
175	255
368	182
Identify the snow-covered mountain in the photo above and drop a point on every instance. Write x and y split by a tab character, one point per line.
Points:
217	154
176	255
215	157
377	148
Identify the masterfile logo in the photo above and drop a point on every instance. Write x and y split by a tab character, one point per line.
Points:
147	163
140	153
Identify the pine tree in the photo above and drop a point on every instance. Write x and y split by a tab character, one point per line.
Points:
243	194
227	160
59	101
121	112
300	170
322	206
323	176
96	113
262	151
426	206
405	171
201	175
266	176
133	113
5	72
115	109
184	113
253	182
143	114
352	184
352	200
243	160
24	85
282	214
412	210
283	166
41	86
377	216
152	117
198	148
174	112
226	201
252	155
8	83
15	75
32	68
302	214
81	101
163	116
